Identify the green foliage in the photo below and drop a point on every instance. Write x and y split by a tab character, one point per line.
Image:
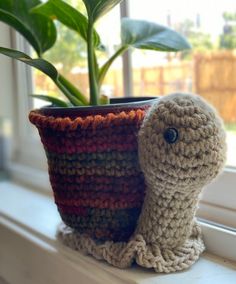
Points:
49	70
148	35
34	20
228	37
68	16
97	8
38	63
145	35
227	16
39	30
228	41
51	99
199	40
67	51
231	127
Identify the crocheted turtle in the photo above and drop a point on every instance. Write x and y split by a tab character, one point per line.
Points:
181	149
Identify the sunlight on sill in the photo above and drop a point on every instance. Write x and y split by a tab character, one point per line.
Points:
17	205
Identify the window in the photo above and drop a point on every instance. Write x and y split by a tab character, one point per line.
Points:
69	56
208	70
161	73
213	38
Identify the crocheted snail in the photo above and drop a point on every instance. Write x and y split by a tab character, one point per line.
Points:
181	149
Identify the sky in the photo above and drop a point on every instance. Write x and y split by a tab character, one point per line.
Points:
210	11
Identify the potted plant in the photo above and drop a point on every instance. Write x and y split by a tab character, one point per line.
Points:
91	147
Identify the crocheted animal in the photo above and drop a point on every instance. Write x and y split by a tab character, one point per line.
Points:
181	149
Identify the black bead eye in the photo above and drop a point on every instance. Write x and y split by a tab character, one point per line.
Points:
171	135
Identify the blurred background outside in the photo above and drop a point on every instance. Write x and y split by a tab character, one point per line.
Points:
209	69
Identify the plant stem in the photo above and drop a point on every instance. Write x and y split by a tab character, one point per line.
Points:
93	84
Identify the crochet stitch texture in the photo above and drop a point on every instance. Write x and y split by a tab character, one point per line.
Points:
175	173
181	146
94	171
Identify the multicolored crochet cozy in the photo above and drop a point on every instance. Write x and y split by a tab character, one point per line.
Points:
94	170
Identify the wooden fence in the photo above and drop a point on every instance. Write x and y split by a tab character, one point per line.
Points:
215	80
212	75
161	80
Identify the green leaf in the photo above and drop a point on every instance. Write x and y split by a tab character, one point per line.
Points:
103	70
97	8
144	35
67	15
55	101
38	63
147	35
45	67
38	30
73	90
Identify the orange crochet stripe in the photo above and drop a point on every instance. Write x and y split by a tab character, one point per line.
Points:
64	124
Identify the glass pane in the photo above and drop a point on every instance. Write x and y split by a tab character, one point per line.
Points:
209	69
69	57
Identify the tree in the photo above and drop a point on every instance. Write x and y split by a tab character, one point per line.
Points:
199	40
228	38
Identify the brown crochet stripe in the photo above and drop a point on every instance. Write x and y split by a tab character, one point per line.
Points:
98	187
75	212
94	122
117	182
65	197
93	184
101	156
106	164
110	203
65	144
114	172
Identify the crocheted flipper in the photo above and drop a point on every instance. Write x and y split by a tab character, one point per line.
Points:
181	149
123	255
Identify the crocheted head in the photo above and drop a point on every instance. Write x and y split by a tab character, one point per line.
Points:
181	143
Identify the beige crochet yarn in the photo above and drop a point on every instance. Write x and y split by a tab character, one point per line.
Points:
181	149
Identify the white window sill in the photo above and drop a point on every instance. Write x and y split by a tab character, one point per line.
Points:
30	253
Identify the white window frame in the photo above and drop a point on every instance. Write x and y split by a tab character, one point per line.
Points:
26	159
28	163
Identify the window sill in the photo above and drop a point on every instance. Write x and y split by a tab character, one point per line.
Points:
217	204
30	253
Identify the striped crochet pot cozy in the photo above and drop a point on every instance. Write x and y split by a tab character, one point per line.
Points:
93	167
